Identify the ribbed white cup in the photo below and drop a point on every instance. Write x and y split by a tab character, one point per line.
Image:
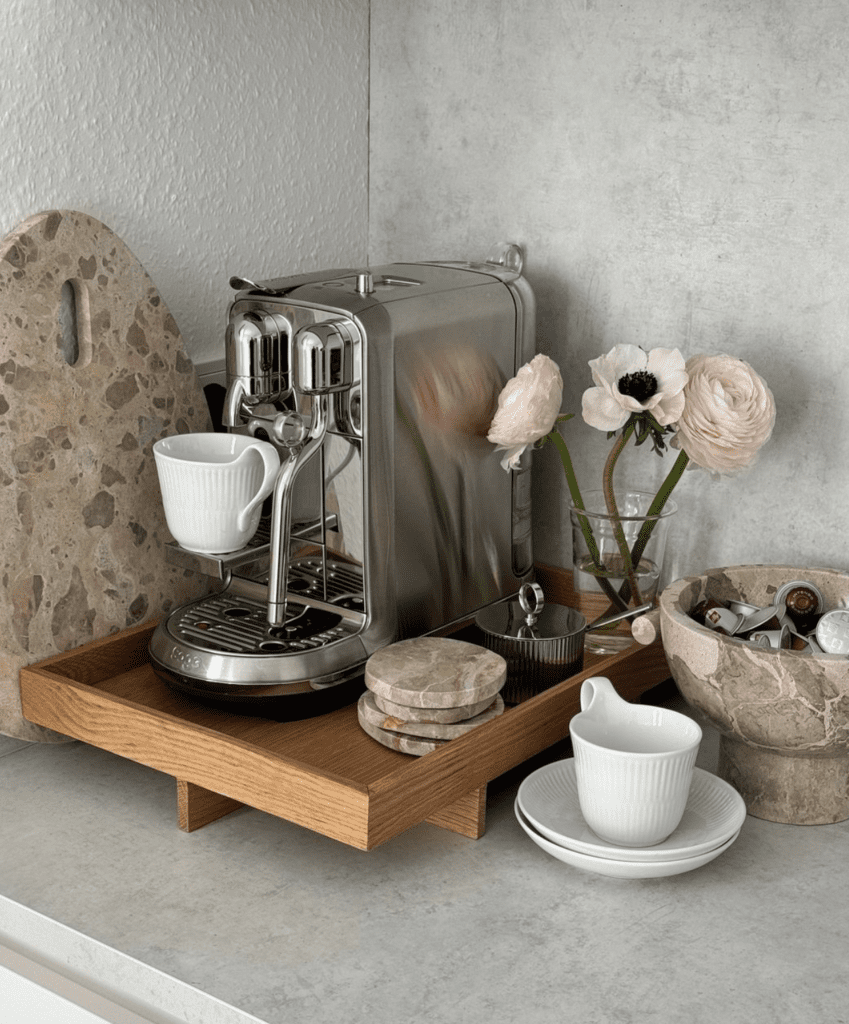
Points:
213	486
633	768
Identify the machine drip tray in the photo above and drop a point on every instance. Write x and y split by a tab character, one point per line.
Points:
221	651
265	702
228	624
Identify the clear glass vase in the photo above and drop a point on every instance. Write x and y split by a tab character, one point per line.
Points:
600	579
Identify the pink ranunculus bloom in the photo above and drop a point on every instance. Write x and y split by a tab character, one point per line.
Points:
729	413
528	407
628	379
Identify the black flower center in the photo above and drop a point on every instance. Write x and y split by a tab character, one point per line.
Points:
640	385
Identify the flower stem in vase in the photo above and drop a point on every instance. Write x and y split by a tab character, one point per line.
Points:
616	523
617	602
656	507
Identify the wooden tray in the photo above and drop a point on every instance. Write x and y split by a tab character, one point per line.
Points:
323	773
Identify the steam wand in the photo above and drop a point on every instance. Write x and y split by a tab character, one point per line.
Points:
303	442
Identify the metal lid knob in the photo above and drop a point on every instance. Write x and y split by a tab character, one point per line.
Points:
532	602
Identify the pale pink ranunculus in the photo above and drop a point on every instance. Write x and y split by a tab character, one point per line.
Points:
528	407
728	416
628	379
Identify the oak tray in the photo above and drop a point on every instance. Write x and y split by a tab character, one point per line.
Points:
323	773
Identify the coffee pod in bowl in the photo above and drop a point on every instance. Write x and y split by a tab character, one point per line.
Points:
762	619
803	604
633	765
778	639
832	631
743	608
800	597
724	620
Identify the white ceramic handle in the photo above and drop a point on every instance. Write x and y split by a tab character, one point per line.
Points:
271	462
597	686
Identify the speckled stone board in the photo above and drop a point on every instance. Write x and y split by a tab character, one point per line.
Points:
86	388
368	711
435	672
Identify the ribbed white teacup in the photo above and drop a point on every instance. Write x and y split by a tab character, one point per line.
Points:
213	486
633	765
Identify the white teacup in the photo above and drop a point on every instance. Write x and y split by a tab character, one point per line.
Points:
633	765
213	487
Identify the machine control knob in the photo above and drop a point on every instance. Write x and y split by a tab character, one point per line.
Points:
325	358
365	283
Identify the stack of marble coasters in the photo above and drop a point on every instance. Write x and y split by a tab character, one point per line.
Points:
424	692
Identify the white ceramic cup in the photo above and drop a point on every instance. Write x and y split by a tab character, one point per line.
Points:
633	765
213	487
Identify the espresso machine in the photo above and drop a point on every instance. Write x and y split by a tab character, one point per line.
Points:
391	516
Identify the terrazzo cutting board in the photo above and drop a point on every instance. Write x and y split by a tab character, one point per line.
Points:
82	527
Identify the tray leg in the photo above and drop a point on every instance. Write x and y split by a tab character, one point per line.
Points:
197	806
466	815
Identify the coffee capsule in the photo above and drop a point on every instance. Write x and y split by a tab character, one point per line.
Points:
803	603
803	606
832	631
743	608
700	610
723	620
778	639
762	619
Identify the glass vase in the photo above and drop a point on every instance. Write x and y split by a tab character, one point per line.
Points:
599	569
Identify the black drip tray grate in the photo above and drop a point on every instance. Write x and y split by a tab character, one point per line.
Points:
233	624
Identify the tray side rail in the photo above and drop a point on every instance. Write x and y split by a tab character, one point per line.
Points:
215	761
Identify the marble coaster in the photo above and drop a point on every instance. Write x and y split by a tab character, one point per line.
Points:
430	715
435	672
397	741
367	710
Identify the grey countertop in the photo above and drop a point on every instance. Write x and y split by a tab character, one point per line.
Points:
286	925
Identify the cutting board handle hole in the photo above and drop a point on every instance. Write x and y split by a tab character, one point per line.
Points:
74	323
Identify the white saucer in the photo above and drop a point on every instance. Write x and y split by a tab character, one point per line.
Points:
548	798
620	868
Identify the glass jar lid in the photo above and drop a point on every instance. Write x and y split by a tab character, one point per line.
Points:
530	618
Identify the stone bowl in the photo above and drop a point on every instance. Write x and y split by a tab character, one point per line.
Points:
783	716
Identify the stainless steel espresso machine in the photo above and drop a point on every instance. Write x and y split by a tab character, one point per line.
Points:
391	516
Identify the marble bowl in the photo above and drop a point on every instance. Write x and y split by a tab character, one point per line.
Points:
783	716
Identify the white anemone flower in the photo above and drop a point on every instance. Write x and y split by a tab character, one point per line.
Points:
528	407
628	379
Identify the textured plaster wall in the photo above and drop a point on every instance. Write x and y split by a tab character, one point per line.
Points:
213	138
676	170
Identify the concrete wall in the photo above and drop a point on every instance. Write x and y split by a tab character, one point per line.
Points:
213	138
676	170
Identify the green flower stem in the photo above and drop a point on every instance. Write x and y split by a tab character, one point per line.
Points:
656	507
578	502
613	511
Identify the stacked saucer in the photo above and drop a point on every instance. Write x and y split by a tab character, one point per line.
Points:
548	809
424	692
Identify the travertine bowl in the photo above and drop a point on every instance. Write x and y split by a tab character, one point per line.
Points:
783	716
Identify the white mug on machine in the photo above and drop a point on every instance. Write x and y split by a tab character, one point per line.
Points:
213	487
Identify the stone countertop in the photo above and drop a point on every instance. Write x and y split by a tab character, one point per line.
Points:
289	926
